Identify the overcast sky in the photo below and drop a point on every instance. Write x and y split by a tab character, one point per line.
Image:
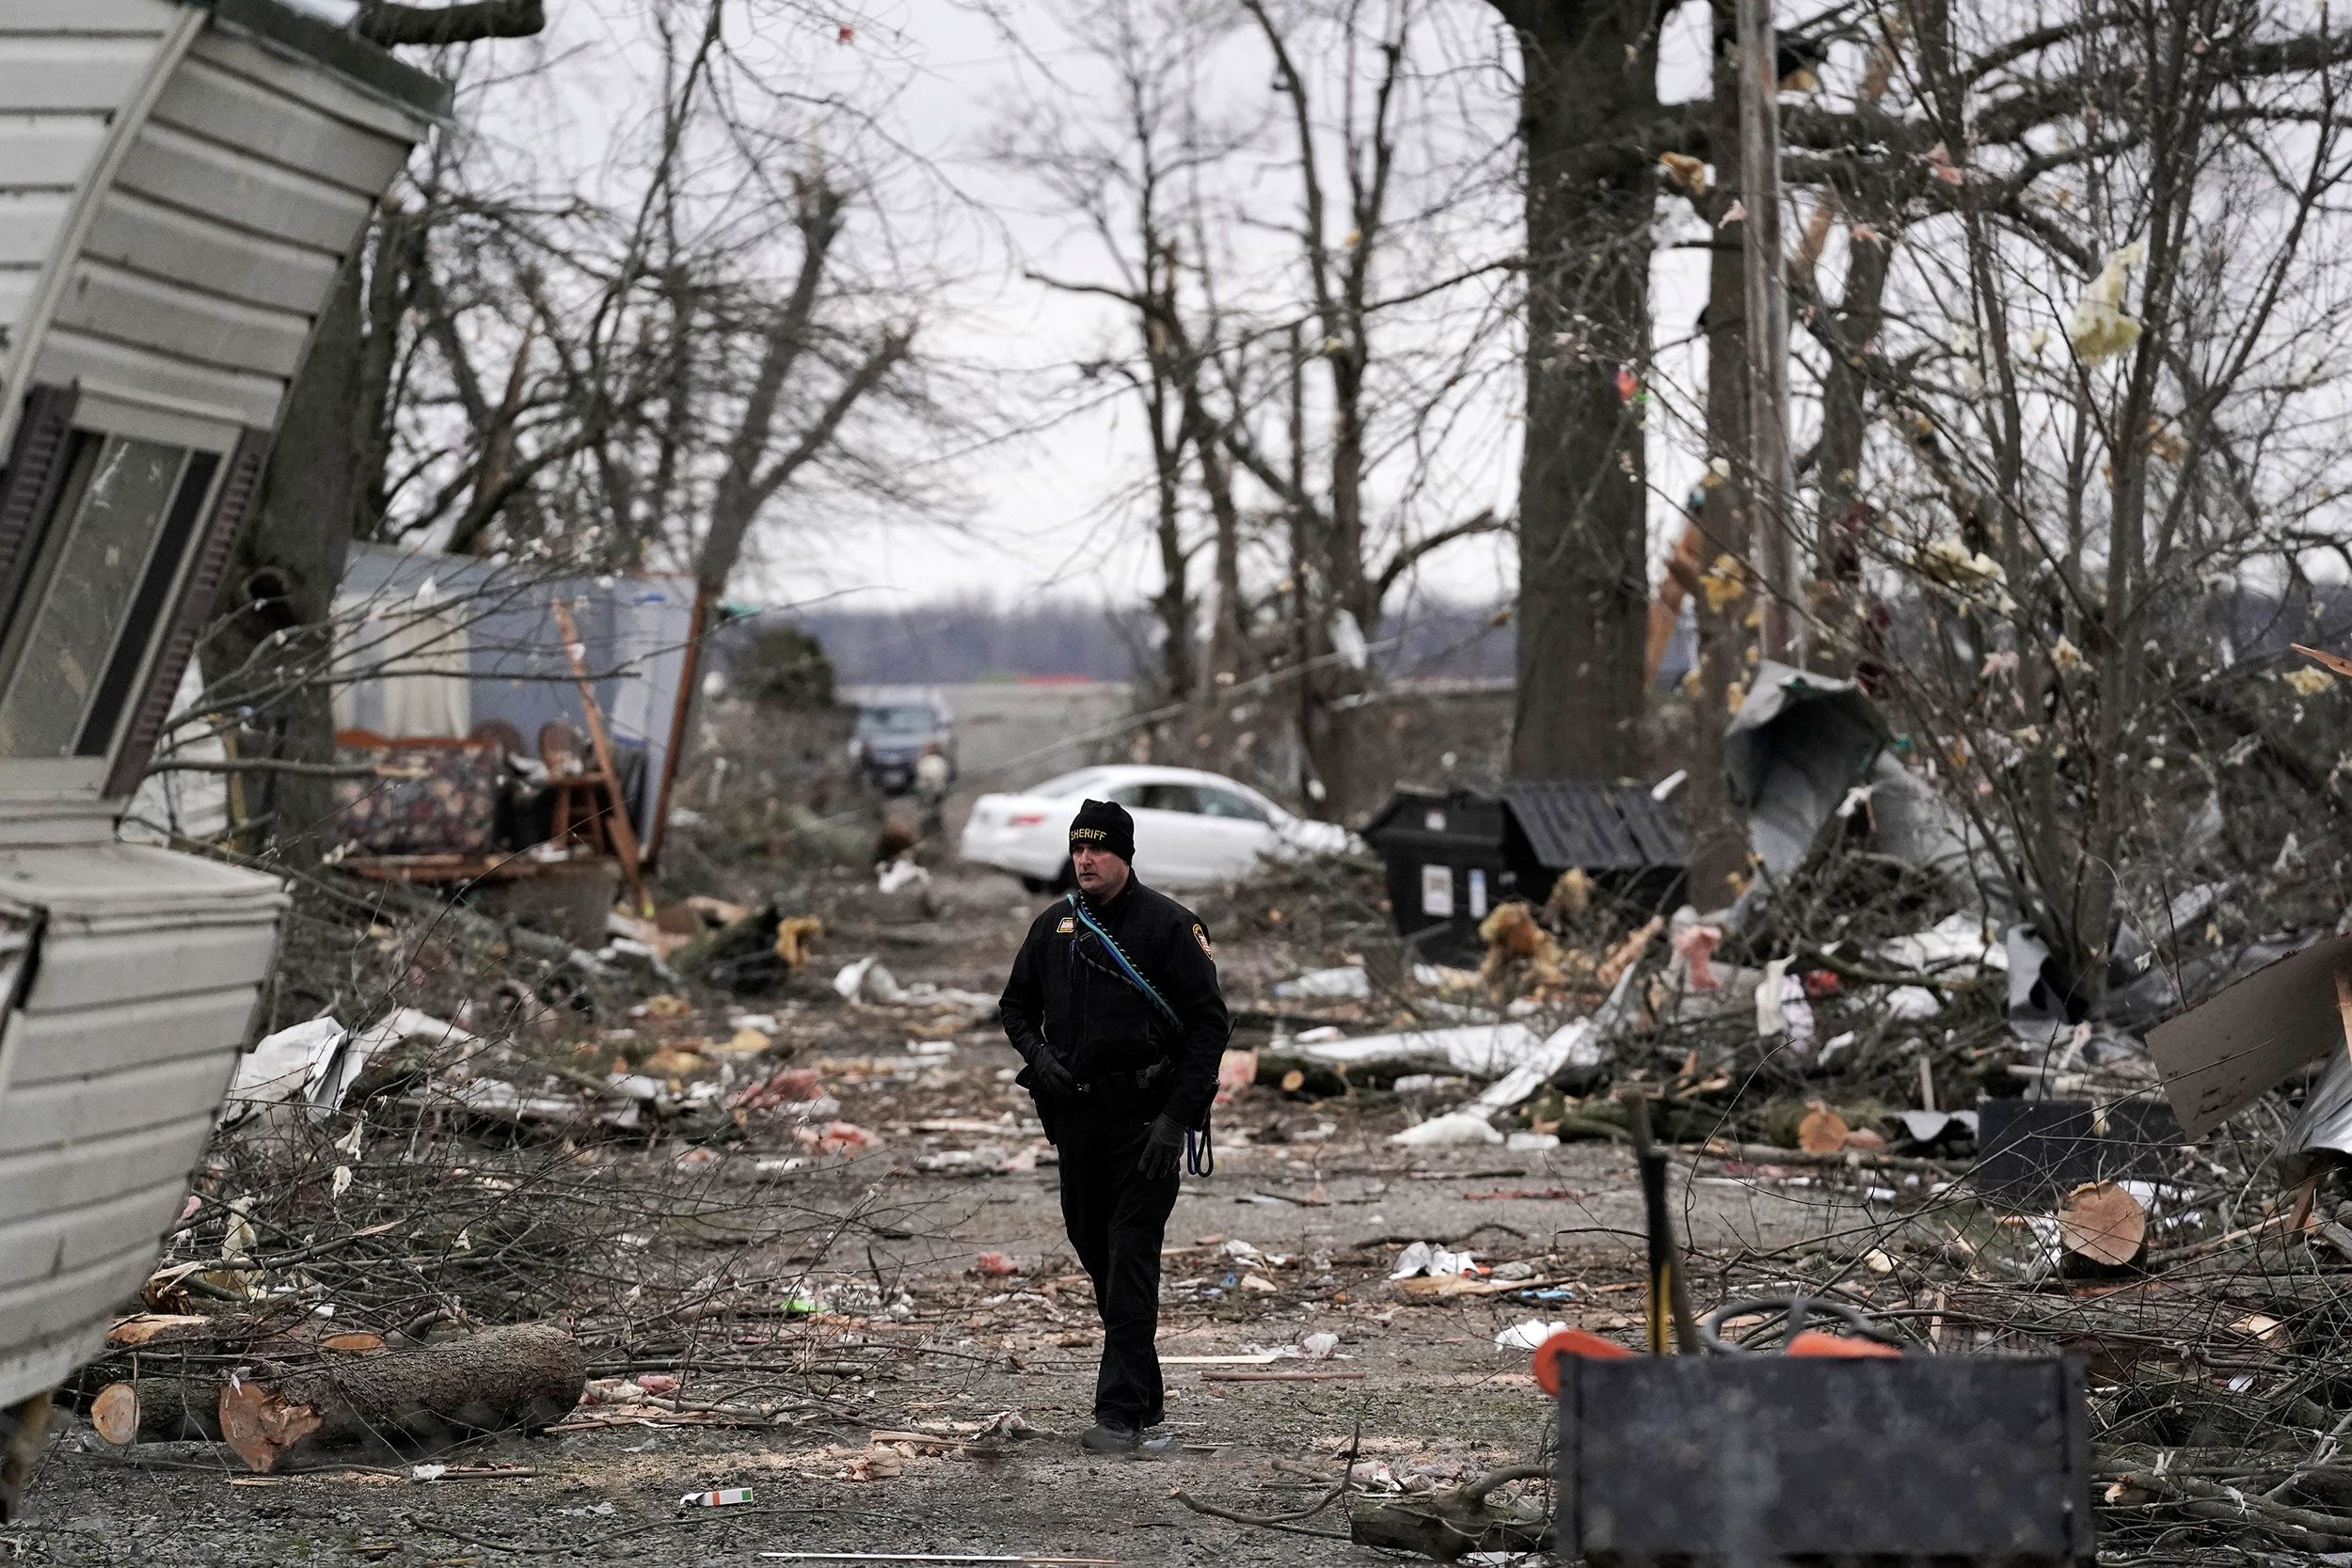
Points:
1044	513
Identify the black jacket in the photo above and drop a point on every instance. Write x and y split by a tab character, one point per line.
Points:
1067	995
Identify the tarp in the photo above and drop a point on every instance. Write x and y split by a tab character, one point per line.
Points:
440	643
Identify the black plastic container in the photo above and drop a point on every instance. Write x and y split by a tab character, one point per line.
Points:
1764	1461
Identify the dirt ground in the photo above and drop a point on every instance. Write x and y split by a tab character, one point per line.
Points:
1416	1383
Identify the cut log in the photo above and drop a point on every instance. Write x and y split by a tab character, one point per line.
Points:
148	1328
521	1378
1822	1131
2102	1224
115	1414
158	1407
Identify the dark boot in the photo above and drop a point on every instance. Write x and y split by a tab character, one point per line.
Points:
1110	1435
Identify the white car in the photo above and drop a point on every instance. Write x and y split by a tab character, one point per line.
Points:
1191	828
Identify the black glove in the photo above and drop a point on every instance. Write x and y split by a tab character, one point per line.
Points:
1048	1076
1162	1151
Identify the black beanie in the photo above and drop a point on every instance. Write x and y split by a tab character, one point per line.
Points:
1105	825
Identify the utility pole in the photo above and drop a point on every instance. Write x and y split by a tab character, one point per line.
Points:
1772	472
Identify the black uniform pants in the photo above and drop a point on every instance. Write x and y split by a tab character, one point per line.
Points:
1116	1220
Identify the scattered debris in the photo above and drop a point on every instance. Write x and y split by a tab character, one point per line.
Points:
1454	1126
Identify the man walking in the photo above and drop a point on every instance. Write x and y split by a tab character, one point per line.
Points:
1114	1004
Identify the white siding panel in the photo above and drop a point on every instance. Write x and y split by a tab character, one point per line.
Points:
51	1046
151	237
66	354
39	1180
36	1366
119	1102
33	1247
29	222
106	300
87	16
16	296
305	83
191	171
257	119
48	153
62	72
71	1301
104	970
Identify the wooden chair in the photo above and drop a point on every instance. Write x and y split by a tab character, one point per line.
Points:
581	798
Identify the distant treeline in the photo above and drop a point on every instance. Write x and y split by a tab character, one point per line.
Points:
946	642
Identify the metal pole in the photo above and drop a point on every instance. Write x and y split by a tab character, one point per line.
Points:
1771	477
1301	631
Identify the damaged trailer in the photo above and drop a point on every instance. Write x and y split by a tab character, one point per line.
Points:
182	183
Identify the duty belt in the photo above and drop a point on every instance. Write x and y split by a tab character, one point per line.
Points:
1136	1081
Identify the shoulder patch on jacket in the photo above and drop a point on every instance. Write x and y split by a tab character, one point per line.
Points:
1202	938
1069	926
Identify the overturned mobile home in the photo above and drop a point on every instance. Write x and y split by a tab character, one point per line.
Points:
182	182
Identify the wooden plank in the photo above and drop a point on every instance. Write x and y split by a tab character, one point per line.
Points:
97	1107
48	153
261	122
69	353
52	1046
196	172
309	84
39	1180
92	969
29	221
189	324
34	1246
624	831
163	240
89	16
64	74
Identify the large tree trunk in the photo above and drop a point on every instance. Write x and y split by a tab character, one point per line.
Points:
1719	832
522	1377
1583	540
275	642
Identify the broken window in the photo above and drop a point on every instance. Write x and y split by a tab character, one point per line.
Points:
91	610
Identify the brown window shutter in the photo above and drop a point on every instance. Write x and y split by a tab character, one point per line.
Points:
237	491
28	485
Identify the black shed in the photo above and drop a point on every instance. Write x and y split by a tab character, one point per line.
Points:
1451	857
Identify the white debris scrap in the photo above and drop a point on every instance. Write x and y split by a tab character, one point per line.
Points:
867	980
1575	1045
1913	1003
1956	945
1481	1050
1343	983
1436	1262
317	1062
1527	1335
2099	329
1454	1126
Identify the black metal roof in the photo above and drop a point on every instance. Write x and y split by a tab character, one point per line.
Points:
1596	827
339	50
